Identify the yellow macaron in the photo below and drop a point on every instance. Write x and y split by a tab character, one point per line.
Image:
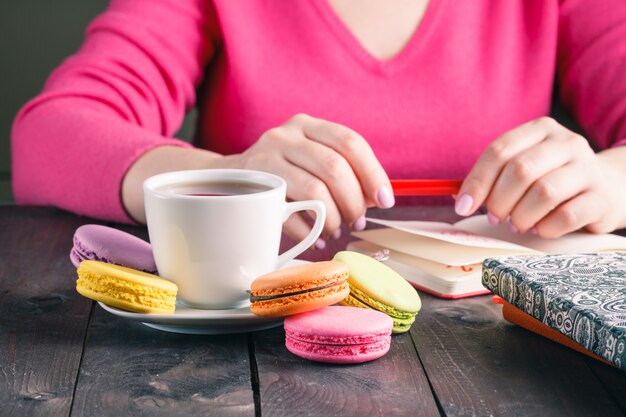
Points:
126	288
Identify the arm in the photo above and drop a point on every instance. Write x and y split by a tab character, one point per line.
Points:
103	123
591	67
122	94
159	160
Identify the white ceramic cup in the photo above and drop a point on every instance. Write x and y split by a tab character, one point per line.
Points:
214	246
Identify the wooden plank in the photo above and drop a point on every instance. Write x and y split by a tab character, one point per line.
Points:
613	380
392	385
43	320
130	369
288	385
479	364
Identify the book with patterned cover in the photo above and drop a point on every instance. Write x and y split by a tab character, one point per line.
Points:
582	296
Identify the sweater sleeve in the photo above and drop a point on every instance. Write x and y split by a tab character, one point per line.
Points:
591	67
124	92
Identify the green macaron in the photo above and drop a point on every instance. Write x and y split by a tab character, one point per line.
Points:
376	286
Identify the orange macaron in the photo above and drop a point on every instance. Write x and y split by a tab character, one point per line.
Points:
299	288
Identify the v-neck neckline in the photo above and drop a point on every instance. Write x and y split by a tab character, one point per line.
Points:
389	66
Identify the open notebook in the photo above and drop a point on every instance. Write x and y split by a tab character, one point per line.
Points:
445	260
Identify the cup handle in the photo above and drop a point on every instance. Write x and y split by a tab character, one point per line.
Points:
320	217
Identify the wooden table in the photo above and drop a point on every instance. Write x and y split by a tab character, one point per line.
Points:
61	354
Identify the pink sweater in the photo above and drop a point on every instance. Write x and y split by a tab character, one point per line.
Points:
472	70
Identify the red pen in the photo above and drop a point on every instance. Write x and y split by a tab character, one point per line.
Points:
426	187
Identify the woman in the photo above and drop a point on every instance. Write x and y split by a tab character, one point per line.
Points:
338	96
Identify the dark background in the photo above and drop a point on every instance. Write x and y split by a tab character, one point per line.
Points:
35	36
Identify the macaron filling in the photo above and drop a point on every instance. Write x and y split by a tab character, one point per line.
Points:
256	298
372	303
400	324
366	338
338	350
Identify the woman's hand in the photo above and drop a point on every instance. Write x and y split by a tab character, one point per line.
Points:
319	160
324	161
546	179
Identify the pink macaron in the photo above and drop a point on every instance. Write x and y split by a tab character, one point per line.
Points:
101	243
338	334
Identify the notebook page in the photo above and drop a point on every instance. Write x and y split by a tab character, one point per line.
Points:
576	242
438	250
452	234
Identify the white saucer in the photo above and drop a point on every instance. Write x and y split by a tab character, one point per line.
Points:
190	320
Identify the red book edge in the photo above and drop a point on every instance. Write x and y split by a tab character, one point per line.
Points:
516	316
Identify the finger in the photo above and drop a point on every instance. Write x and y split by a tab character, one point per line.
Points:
297	228
359	155
309	216
483	175
570	216
548	192
522	171
301	185
323	162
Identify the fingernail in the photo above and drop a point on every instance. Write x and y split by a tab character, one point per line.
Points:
320	244
533	230
359	224
512	228
492	218
385	197
464	204
337	234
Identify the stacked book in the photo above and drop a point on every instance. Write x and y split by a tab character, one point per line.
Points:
578	300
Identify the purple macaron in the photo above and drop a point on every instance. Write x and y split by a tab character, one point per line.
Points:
105	244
